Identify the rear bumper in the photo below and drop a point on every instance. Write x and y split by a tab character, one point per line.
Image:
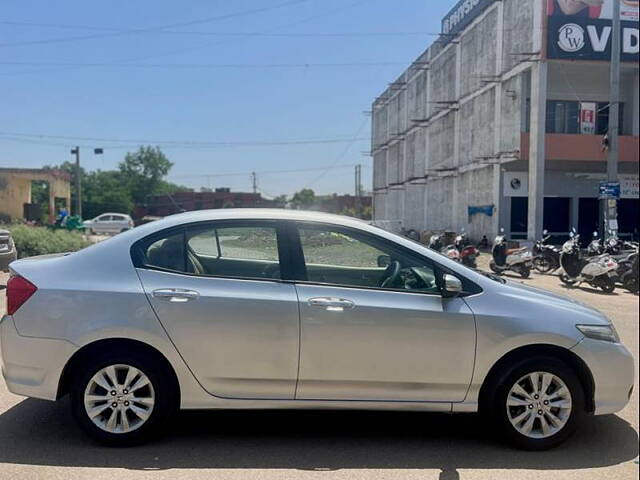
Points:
613	372
32	366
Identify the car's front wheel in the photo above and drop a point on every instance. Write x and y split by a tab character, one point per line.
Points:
122	399
539	404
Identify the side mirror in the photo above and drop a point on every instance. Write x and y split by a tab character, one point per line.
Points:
452	286
384	261
502	230
545	232
571	234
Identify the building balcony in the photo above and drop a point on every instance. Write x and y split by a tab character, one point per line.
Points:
582	147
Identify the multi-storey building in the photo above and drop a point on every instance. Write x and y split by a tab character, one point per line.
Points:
500	122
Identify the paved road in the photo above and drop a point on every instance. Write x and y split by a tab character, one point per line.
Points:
38	439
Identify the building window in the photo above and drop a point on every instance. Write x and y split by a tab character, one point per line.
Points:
602	118
564	117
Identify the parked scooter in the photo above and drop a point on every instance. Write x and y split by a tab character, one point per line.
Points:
450	251
599	272
519	261
546	258
468	252
596	247
435	242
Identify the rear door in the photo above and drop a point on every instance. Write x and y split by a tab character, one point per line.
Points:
118	224
374	333
217	290
101	224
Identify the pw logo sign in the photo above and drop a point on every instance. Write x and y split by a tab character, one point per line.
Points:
590	39
571	37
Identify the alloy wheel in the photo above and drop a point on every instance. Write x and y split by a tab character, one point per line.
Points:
539	405
119	398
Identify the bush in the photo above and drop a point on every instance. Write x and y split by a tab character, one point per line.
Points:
31	241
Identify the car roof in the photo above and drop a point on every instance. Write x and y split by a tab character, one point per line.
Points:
261	213
113	213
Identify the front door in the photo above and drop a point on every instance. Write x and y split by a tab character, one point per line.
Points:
374	325
216	289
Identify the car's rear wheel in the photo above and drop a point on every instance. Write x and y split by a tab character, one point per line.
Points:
122	399
539	404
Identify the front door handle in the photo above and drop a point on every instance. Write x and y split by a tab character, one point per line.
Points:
176	295
332	304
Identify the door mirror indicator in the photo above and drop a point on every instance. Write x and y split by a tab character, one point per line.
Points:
452	285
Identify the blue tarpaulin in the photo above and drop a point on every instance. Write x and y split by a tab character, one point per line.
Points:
487	210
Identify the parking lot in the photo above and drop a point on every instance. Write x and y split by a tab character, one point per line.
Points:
39	440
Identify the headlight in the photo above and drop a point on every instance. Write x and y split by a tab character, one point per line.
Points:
606	333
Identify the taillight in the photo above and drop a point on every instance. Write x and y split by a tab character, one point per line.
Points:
19	290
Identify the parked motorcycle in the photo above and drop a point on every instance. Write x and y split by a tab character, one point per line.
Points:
519	260
627	272
468	252
599	272
546	258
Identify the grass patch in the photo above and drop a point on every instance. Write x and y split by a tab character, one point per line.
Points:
31	241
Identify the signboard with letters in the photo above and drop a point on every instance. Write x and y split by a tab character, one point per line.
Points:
588	118
609	189
462	15
581	29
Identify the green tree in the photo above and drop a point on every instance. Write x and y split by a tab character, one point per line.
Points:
143	171
303	199
105	192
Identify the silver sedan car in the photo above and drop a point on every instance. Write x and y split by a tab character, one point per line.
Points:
260	309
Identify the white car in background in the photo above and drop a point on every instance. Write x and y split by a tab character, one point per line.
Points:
111	223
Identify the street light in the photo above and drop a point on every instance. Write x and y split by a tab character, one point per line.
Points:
76	151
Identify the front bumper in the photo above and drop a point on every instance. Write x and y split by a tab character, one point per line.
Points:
32	366
6	257
613	372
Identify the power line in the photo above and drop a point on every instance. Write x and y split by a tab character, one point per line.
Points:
264	172
121	32
218	34
341	156
208	44
44	138
205	65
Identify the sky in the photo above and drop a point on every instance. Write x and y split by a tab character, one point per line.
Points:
225	88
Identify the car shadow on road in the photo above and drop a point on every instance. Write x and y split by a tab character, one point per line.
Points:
36	432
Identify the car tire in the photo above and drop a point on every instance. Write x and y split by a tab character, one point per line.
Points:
140	414
512	409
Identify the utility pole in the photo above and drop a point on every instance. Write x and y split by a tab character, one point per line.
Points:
358	190
76	152
611	204
254	180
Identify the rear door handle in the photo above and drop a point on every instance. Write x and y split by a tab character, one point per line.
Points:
332	304
176	295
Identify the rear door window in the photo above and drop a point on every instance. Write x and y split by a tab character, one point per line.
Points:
241	250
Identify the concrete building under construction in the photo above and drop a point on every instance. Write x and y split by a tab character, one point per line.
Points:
500	123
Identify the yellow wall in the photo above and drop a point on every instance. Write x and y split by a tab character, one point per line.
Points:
15	191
